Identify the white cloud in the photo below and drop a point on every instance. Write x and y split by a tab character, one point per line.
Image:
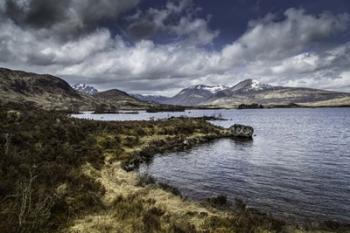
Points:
269	39
300	63
272	51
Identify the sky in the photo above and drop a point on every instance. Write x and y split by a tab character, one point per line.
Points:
161	46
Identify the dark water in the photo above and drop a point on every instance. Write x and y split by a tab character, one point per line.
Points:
298	164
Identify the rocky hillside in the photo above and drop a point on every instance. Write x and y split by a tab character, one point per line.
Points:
50	92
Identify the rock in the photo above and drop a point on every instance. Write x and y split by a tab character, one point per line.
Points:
242	131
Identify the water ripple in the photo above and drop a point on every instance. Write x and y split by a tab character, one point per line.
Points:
298	164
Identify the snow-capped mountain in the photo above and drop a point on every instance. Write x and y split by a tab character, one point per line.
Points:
250	85
199	94
84	88
195	95
250	91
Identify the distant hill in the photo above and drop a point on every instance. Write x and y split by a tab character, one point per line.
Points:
252	91
157	99
50	92
118	99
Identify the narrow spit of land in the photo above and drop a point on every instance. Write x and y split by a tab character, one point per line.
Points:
60	174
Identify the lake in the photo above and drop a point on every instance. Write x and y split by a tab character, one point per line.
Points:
298	164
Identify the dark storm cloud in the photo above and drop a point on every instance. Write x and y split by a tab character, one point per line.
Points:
36	13
66	18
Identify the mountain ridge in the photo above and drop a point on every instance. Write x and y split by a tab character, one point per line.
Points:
251	91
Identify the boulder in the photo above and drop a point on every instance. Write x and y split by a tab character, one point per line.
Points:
242	131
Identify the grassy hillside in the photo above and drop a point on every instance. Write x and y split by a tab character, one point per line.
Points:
114	99
44	91
52	93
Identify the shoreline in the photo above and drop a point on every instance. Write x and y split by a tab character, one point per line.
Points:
146	154
92	191
231	206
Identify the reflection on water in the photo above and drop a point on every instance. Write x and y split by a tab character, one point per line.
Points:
297	165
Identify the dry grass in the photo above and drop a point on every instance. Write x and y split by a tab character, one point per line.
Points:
77	181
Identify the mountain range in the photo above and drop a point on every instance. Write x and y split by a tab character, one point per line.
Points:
50	92
250	92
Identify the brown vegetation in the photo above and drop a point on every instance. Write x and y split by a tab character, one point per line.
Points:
59	174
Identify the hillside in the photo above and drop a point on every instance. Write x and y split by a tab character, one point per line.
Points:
119	100
53	93
42	90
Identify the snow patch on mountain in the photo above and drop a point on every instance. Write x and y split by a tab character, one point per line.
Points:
84	88
250	85
256	85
